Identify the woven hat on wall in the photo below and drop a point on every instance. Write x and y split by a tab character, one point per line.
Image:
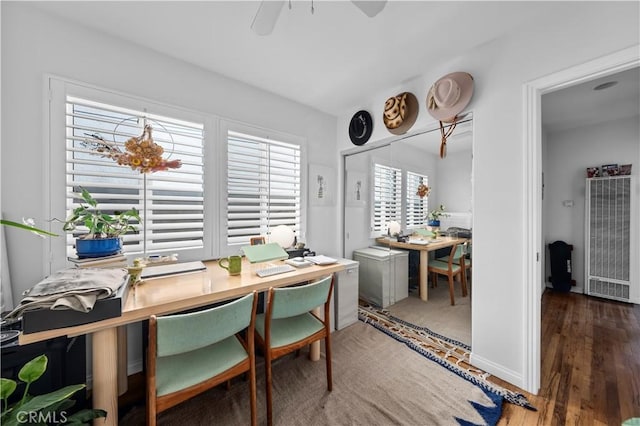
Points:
360	127
400	113
449	96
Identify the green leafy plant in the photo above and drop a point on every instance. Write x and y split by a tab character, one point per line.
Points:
42	409
436	214
100	225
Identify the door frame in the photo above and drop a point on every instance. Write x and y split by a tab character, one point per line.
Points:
532	188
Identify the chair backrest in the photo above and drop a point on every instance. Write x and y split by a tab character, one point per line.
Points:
458	252
186	332
291	301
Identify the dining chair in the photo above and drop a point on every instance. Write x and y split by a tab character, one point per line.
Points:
193	352
452	267
466	259
289	324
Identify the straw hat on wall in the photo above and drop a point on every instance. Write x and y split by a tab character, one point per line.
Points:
400	113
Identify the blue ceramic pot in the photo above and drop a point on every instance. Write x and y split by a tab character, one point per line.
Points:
98	247
433	223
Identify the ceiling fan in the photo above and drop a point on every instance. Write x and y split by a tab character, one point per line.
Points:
269	11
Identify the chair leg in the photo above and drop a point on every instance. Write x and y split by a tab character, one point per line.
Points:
151	413
252	390
463	274
451	290
327	345
267	366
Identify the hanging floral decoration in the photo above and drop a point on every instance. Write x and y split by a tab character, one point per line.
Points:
141	152
423	190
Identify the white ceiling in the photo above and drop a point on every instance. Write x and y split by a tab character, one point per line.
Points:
331	59
580	105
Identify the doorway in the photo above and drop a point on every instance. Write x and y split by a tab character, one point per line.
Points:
533	184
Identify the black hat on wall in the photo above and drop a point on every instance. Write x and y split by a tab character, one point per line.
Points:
360	127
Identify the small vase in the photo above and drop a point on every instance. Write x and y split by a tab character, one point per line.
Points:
433	223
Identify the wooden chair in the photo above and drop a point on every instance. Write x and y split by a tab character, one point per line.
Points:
466	259
451	268
190	353
288	325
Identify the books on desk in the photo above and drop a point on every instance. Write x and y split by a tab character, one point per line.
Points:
298	262
321	260
118	260
417	241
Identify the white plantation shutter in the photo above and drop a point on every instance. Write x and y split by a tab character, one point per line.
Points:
263	186
387	196
170	202
416	207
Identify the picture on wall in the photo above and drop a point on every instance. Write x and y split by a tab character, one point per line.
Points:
356	189
321	185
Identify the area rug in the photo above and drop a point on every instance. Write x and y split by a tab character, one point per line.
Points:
377	380
449	353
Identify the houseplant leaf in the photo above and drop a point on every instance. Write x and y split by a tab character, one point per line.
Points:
33	369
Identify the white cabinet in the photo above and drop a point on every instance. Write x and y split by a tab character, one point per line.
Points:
345	294
383	275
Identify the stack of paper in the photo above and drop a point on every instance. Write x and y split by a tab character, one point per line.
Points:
321	260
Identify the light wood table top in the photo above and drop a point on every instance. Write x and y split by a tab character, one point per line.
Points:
435	244
159	296
175	293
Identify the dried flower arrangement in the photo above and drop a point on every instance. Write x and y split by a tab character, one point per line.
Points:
423	190
141	152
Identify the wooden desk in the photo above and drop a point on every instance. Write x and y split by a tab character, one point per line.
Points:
161	296
438	243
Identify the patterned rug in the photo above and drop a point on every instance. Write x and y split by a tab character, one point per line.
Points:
449	353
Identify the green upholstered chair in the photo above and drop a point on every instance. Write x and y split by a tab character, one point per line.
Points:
463	260
452	267
289	324
190	353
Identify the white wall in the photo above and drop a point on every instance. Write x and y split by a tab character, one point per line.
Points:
34	44
454	182
569	153
587	30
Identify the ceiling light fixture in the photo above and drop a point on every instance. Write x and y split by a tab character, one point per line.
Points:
606	85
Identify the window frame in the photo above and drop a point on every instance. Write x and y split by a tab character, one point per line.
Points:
227	125
55	159
410	195
377	162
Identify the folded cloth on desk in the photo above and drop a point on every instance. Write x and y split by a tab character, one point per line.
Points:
73	288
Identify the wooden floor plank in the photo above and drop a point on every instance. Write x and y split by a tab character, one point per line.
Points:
590	372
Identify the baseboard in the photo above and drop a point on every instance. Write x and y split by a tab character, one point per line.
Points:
497	370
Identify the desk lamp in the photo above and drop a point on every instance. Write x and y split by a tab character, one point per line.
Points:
283	235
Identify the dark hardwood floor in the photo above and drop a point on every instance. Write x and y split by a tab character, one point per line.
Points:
590	364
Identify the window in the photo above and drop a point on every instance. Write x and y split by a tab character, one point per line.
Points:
170	202
387	196
263	186
417	207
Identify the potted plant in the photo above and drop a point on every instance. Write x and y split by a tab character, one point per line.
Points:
433	218
50	408
105	230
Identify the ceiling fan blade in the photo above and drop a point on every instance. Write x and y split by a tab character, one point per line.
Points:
371	7
266	16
